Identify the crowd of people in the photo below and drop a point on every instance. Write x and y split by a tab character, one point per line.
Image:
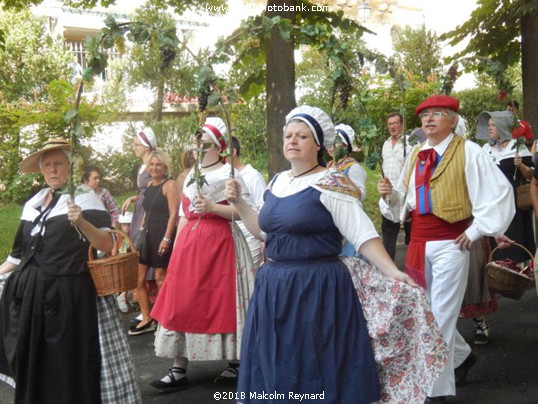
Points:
289	280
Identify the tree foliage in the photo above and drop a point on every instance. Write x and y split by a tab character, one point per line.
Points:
502	34
494	30
26	126
246	47
418	51
30	58
31	64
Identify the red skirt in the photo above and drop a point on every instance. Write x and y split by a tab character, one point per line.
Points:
199	291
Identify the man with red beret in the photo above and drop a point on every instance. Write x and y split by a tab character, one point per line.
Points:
447	189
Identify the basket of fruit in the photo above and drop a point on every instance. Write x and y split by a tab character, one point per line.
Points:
509	278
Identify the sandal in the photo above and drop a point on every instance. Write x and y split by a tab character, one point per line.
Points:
122	303
174	382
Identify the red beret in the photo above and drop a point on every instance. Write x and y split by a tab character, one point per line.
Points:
439	101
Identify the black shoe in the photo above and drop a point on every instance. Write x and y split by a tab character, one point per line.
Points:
462	370
174	383
229	375
150	326
432	400
481	337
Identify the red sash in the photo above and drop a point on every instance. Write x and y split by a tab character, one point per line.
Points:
426	228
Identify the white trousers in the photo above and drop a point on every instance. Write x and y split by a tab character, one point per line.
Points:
446	268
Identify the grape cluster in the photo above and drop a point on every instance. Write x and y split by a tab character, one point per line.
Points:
202	98
453	72
168	55
346	87
119	42
361	59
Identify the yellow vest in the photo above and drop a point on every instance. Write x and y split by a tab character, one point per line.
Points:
450	197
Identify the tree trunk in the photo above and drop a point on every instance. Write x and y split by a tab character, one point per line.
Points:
529	61
279	87
159	102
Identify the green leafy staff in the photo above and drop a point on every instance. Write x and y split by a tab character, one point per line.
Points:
373	160
209	94
518	144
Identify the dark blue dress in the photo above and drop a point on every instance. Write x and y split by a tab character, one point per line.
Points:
305	331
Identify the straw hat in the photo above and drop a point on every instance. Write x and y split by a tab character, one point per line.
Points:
31	163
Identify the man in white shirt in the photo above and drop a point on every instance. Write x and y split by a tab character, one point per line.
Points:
256	187
448	189
393	154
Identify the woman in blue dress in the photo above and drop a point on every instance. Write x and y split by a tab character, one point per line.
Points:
305	331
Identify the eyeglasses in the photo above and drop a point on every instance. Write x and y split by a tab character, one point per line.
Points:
435	115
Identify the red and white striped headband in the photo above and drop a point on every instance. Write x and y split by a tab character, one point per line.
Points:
216	135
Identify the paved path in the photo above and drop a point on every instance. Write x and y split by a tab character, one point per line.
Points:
506	372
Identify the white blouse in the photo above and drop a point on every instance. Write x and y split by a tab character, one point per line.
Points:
214	189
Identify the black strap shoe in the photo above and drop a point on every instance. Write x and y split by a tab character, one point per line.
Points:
174	383
229	375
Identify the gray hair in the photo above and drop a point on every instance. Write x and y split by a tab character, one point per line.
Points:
66	152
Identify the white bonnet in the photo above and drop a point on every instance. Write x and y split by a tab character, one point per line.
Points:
216	129
318	121
148	138
346	133
503	120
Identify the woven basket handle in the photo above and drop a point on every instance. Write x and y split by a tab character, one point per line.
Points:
517	245
120	233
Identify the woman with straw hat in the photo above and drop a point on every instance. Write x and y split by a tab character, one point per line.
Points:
61	344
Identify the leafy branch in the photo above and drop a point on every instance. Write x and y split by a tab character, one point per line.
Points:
246	47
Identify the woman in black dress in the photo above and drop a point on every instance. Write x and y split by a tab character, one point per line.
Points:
56	345
515	163
161	205
144	142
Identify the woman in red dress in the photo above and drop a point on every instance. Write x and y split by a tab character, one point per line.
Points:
202	303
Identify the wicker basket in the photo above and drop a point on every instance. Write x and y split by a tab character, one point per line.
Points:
505	281
523	197
114	274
